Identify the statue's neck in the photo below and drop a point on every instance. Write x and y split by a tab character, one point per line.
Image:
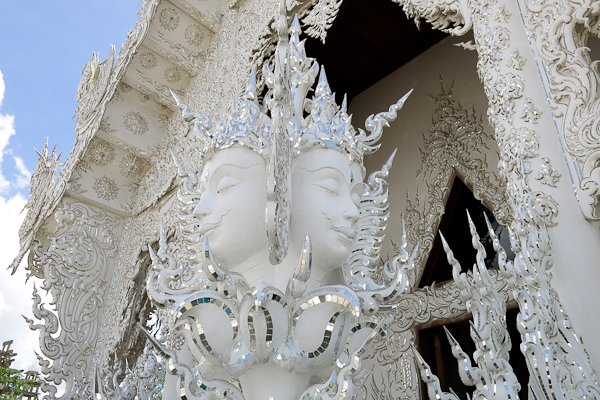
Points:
318	276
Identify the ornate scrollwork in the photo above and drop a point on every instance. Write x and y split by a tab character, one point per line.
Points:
320	18
452	146
75	264
560	31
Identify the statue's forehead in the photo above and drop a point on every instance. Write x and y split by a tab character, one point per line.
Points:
324	159
237	156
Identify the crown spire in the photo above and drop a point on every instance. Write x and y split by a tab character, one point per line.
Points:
250	92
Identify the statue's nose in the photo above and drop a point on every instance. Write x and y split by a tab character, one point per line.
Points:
201	210
352	216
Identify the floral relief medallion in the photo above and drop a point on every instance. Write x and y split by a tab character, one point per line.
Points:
148	60
106	188
143	97
101	153
131	166
169	18
135	123
194	34
172	74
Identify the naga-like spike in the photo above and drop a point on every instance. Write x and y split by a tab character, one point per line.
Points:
391	159
153	255
481	253
44	152
418	356
456	267
454	393
180	104
176	161
344	107
250	92
297	284
323	89
451	339
98	392
472	228
376	123
295	28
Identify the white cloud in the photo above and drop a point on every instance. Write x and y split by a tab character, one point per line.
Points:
15	294
24	175
7	129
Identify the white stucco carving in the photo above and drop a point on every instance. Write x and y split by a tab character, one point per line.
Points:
233	249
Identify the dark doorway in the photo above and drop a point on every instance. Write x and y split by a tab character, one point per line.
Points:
455	228
435	349
368	41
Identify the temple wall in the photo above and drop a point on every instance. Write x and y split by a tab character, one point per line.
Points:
575	262
456	67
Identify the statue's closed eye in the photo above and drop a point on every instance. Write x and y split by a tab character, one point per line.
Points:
226	183
330	186
329	190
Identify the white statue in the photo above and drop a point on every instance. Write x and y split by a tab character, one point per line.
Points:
326	191
253	315
231	211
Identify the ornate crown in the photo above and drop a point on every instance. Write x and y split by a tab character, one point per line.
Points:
278	128
254	124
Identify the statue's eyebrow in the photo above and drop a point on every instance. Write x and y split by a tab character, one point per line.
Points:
325	167
238	166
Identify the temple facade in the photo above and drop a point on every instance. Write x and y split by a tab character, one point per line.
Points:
502	121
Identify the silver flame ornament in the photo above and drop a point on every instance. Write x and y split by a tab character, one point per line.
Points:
261	324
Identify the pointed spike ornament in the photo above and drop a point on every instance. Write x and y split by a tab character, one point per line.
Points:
297	285
492	375
434	388
250	92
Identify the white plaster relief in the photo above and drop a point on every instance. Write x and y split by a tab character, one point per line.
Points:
101	153
320	18
560	31
148	60
169	18
76	265
194	35
105	188
135	123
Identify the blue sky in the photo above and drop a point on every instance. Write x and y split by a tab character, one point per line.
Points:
43	47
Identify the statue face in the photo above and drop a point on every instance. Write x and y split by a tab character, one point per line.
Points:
326	189
231	210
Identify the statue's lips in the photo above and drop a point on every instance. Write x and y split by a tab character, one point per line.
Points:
207	228
346	234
